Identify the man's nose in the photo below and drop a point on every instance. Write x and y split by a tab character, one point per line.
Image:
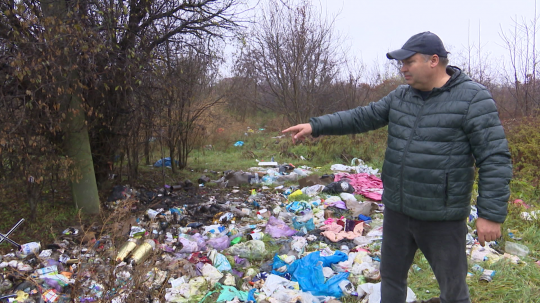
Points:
403	68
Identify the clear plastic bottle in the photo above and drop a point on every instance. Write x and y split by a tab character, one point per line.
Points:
516	249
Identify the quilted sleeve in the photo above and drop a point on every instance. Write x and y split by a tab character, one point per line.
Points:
356	120
490	149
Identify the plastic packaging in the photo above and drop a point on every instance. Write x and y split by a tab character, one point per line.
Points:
277	228
516	249
201	244
251	249
219	261
309	225
188	245
219	243
32	247
339	187
308	271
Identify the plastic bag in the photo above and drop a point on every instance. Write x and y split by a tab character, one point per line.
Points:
338	204
219	261
516	249
200	241
250	249
295	194
304	216
298	244
277	228
188	246
275	283
339	187
309	225
348	197
297	206
211	274
374	292
308	271
228	293
313	190
359	208
219	243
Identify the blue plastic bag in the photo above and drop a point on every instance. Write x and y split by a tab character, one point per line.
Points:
297	206
251	296
308	272
309	225
164	161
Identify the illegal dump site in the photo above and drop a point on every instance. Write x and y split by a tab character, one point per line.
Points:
269	226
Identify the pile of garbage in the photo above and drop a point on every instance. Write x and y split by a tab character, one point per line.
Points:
315	241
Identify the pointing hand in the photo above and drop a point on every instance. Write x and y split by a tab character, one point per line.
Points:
299	132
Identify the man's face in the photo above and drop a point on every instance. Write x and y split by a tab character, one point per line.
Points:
417	71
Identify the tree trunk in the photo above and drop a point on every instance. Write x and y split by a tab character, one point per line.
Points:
77	144
147	138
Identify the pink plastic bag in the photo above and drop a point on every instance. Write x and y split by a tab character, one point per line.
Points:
277	228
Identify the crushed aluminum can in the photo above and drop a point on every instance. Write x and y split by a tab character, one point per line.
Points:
124	251
487	275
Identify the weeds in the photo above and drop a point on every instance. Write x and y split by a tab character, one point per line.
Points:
512	282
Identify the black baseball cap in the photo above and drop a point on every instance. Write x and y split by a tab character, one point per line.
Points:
424	43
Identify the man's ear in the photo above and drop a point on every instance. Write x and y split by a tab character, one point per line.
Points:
434	61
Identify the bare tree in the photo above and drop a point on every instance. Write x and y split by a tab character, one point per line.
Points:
521	74
186	84
295	58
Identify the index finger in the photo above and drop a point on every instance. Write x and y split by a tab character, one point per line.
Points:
292	128
481	239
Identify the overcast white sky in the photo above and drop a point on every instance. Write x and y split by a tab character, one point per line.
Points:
371	28
374	27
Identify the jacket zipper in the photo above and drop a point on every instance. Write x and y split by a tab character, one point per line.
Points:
406	151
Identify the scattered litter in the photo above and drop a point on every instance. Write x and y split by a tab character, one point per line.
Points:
252	238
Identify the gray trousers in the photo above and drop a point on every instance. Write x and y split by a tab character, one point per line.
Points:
442	243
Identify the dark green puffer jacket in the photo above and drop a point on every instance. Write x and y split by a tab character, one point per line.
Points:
433	144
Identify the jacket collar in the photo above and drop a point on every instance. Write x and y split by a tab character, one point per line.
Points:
456	77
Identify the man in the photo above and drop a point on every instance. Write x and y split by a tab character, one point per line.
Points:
440	126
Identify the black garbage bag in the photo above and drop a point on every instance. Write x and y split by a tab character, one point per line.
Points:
119	192
286	168
339	187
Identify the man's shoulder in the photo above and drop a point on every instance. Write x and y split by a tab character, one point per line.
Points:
471	85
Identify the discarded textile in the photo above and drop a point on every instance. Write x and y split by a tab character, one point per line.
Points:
336	232
366	185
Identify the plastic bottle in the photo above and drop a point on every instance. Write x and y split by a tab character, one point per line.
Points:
516	249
